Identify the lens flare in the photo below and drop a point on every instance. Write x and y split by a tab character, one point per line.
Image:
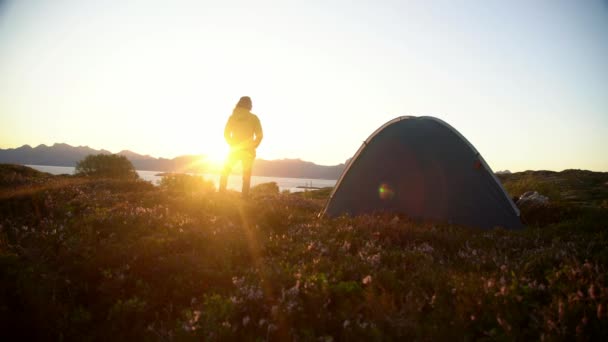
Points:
385	191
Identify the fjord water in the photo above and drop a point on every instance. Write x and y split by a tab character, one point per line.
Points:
234	182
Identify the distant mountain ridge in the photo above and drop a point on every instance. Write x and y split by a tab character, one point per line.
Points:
61	154
296	168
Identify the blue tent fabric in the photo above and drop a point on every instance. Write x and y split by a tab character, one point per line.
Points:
423	168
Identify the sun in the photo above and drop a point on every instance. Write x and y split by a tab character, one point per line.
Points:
214	159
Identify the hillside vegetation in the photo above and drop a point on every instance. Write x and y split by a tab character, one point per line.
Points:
571	187
98	259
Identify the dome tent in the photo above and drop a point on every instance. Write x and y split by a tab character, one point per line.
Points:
425	169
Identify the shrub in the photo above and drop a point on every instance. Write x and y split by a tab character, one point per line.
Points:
106	165
184	183
530	182
270	188
322	193
11	175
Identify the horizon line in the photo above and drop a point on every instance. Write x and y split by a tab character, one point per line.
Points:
155	157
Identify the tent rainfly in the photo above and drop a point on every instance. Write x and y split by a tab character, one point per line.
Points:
423	168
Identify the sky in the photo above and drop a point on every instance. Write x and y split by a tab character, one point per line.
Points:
526	82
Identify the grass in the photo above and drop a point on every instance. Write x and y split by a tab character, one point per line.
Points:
84	259
571	187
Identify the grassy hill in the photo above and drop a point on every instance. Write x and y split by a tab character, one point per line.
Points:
572	187
84	259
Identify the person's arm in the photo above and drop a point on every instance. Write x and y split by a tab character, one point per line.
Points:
259	134
228	132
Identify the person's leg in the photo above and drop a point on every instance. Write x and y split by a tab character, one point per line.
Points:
226	171
247	162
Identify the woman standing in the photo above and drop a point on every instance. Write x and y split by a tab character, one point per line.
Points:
243	133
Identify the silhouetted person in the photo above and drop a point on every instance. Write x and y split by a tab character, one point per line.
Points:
243	133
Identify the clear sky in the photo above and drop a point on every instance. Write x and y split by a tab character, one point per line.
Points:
525	81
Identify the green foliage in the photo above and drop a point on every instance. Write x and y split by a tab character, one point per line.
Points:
571	187
214	316
316	194
532	183
263	189
186	184
124	317
12	175
107	166
91	259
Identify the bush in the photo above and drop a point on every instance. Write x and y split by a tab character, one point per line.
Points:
322	193
184	183
12	175
106	165
270	188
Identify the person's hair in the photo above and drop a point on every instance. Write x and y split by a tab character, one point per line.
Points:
244	102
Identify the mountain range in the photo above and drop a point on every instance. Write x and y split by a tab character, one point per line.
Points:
66	155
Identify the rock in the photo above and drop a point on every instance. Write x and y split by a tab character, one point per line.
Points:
532	199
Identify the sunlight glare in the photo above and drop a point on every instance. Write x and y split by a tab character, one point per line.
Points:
215	157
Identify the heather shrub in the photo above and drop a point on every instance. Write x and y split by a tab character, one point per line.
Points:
264	189
186	184
92	259
12	175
